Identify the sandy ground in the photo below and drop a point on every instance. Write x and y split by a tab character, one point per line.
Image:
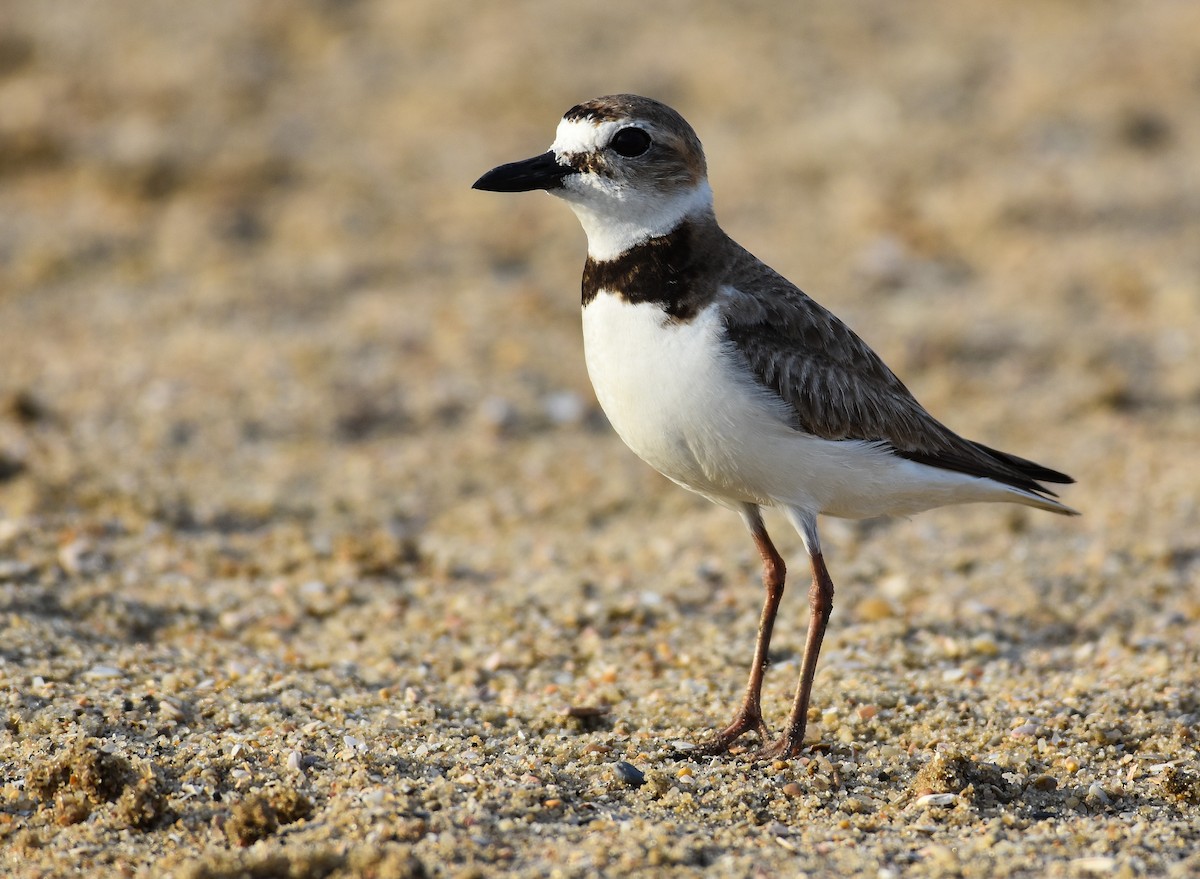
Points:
313	540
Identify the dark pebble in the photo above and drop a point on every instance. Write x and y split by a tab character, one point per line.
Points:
629	774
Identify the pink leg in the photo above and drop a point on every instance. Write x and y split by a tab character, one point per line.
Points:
820	600
749	716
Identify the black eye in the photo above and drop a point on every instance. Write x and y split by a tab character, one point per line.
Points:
630	142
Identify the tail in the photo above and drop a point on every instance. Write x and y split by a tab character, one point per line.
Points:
1030	492
1034	471
1040	501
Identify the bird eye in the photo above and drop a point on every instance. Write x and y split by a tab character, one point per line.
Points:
630	142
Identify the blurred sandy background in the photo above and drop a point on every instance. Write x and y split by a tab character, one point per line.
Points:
311	531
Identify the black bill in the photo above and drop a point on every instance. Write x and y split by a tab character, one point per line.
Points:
540	172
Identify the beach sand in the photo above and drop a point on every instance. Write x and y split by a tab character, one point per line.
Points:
318	558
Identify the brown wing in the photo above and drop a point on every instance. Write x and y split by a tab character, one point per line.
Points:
837	388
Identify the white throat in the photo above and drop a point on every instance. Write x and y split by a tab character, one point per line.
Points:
613	227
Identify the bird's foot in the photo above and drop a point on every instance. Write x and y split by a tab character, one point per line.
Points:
747	720
787	746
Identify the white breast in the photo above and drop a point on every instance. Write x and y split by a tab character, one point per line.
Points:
679	397
670	392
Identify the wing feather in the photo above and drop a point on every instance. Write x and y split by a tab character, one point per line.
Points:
837	388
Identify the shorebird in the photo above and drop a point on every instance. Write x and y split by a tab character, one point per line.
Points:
732	382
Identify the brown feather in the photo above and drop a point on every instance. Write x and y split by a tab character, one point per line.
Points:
837	387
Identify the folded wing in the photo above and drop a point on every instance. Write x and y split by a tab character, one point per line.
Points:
837	388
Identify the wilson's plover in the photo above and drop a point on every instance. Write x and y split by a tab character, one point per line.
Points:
730	381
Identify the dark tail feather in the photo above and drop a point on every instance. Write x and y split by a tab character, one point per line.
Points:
1036	472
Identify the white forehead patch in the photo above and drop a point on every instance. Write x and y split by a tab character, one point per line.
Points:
575	136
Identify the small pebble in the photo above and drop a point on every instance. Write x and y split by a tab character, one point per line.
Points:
853	806
629	774
936	800
1044	783
1163	767
80	558
1096	864
498	413
985	645
873	609
313	589
97	672
564	407
11	569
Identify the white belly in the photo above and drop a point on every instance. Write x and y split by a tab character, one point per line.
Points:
675	395
669	393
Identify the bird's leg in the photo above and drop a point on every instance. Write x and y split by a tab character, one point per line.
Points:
749	715
820	601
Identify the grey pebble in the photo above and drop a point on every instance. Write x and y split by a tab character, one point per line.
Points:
629	774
